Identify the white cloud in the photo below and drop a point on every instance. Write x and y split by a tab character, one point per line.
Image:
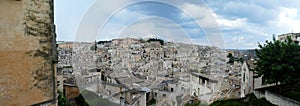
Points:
96	16
255	20
67	17
231	24
202	14
287	19
145	26
238	39
114	26
204	17
156	27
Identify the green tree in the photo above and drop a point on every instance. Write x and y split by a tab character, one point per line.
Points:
156	39
81	101
229	55
278	61
94	46
231	58
241	60
62	101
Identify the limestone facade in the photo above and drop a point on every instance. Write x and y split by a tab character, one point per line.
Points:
27	52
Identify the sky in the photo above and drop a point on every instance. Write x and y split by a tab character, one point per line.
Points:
229	24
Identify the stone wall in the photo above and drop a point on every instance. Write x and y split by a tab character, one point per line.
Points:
141	101
275	98
71	91
27	52
280	100
259	94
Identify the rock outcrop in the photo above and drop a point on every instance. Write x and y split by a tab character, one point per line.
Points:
27	53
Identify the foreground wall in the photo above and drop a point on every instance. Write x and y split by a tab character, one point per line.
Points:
275	98
280	100
27	53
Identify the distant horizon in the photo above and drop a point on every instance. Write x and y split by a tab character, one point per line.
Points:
149	38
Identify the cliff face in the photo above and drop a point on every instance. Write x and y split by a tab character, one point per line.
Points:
27	52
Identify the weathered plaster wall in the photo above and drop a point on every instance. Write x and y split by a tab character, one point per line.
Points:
27	52
71	92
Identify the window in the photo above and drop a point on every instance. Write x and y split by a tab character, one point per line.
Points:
244	78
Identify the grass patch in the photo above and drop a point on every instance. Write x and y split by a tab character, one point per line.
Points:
193	104
292	95
152	102
94	100
62	101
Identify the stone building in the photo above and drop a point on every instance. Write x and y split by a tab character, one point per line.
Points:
131	98
27	53
294	36
162	70
202	84
246	80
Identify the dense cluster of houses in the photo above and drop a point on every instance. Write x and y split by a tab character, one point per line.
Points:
135	71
